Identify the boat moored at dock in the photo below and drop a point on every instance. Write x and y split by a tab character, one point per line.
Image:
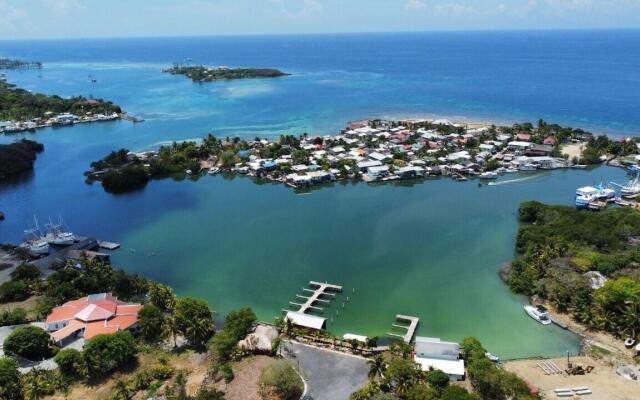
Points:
539	313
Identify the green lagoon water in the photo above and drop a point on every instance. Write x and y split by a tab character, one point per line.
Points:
429	249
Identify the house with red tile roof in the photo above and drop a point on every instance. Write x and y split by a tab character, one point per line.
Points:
550	140
90	316
524	137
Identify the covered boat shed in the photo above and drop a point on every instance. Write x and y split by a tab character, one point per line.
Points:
306	320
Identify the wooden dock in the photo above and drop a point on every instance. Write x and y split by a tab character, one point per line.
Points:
44	264
318	293
410	329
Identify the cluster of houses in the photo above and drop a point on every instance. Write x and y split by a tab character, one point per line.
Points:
54	120
389	150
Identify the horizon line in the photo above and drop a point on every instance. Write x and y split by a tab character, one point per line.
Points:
337	33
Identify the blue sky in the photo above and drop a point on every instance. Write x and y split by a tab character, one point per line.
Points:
123	18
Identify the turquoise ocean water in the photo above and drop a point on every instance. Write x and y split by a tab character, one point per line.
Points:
430	249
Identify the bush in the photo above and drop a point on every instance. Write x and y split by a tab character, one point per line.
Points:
437	379
281	380
29	342
105	353
194	319
227	372
17	316
10	386
26	273
14	291
70	362
209	394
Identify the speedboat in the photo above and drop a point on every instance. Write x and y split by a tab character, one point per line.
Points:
492	357
57	234
488	175
629	343
539	313
214	170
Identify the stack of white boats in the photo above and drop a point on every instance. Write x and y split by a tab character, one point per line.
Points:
57	234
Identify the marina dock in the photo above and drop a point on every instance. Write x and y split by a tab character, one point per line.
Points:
82	244
108	245
318	292
410	329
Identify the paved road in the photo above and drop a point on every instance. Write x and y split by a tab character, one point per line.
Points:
330	375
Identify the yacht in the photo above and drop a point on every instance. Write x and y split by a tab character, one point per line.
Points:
605	192
34	242
57	234
585	196
488	175
528	167
539	313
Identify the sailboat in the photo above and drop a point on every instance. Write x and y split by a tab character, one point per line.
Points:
34	242
58	234
632	188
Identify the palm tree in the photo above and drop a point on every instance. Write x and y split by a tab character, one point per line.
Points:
36	385
631	318
171	330
199	330
377	367
288	326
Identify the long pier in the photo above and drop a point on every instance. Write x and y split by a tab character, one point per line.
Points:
410	329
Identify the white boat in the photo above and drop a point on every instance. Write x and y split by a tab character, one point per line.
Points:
539	313
58	234
492	357
629	343
34	242
214	170
579	166
528	167
632	188
585	196
488	175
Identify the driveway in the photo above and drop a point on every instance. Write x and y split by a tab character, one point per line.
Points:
330	375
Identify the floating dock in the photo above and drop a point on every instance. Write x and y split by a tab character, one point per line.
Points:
318	293
410	329
108	245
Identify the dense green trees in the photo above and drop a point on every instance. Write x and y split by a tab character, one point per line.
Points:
29	342
235	327
10	386
18	157
194	319
125	179
20	105
105	353
557	245
14	291
151	323
201	73
280	380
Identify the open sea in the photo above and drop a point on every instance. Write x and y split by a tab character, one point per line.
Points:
427	248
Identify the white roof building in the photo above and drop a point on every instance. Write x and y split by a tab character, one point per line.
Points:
306	320
437	354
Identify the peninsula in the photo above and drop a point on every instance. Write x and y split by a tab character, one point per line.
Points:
18	157
202	73
371	151
22	110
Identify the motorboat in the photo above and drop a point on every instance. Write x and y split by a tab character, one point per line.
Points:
214	170
539	313
585	196
57	234
605	192
492	357
488	175
629	343
528	167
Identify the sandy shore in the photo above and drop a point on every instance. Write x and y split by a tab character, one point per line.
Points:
603	381
573	150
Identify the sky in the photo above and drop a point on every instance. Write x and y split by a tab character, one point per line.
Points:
23	19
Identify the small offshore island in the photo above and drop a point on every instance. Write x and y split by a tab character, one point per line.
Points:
202	73
10	64
371	151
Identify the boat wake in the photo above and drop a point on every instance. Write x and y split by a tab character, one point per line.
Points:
527	178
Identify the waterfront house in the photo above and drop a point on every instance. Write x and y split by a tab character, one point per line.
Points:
539	150
517	145
89	316
364	165
459	156
377	156
378	172
64	119
437	354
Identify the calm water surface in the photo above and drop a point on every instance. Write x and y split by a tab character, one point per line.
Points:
430	249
